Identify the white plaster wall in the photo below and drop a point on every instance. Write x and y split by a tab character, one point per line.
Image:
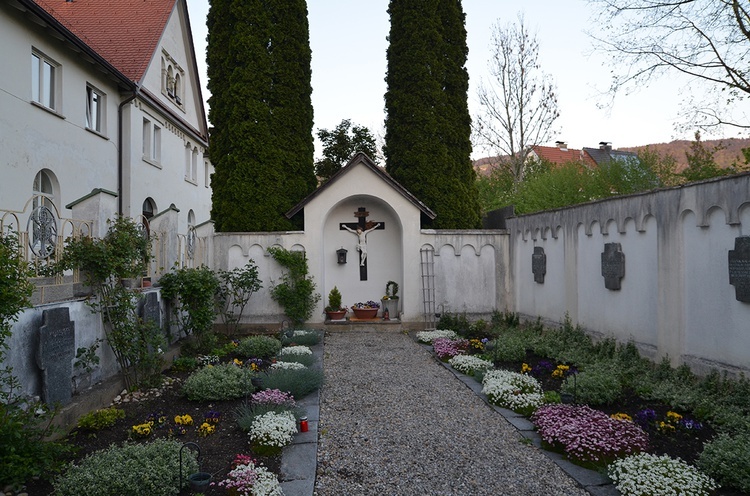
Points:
32	138
465	277
711	309
546	298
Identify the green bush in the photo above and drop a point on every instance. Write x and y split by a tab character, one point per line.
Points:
296	291
184	364
299	383
301	337
192	292
101	419
725	459
150	469
217	383
259	347
508	348
305	360
596	385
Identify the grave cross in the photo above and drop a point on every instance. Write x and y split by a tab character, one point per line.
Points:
739	268
361	228
613	265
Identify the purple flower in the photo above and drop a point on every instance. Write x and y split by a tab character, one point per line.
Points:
645	417
446	348
690	424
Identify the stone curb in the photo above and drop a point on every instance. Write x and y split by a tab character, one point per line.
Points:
591	481
299	460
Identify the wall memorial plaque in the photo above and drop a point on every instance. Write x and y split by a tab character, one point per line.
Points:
539	264
739	268
55	356
613	265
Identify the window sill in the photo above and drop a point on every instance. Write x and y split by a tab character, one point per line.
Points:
188	180
152	162
47	109
94	131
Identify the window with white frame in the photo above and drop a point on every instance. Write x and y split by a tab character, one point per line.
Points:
151	141
95	109
45	77
43	189
172	82
206	174
194	166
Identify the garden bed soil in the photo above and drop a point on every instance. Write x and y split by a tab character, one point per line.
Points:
217	450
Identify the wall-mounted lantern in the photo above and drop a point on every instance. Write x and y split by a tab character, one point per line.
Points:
341	255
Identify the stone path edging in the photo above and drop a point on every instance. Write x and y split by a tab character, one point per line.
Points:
593	482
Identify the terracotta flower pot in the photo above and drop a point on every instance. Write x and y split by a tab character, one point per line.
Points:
336	315
365	313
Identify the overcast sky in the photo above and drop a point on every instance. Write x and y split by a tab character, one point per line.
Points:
348	40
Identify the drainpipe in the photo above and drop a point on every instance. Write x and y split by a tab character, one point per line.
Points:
119	148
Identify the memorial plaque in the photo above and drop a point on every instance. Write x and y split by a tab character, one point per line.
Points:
151	311
613	265
739	268
539	264
55	356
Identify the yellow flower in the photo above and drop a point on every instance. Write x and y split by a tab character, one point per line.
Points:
673	417
665	427
621	416
183	420
238	362
560	371
143	430
254	367
525	368
206	429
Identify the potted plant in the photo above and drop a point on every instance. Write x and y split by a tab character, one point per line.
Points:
366	310
334	310
390	300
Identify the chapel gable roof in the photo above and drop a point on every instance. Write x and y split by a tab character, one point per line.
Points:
124	32
362	159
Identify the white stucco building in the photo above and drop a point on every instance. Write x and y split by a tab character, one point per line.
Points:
101	96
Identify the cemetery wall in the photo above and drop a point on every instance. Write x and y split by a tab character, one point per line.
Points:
652	268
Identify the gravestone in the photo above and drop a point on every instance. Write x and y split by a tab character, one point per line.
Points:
613	265
739	268
55	356
539	264
151	311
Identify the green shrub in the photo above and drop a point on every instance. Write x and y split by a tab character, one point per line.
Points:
305	360
150	468
301	337
259	347
101	419
596	385
299	383
184	364
457	323
217	383
725	459
509	347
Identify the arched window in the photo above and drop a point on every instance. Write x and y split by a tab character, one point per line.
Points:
194	166
170	81
178	89
191	218
149	208
44	189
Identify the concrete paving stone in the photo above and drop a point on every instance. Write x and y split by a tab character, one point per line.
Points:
311	436
298	487
521	423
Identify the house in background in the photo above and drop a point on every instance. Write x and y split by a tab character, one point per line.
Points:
605	154
102	113
561	154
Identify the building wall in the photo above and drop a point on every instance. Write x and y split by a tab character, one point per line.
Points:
675	298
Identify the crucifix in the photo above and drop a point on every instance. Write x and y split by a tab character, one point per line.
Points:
361	228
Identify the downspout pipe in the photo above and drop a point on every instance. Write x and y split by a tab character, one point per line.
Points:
120	178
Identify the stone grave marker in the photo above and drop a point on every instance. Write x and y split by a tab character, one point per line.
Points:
613	265
539	264
55	356
739	268
151	311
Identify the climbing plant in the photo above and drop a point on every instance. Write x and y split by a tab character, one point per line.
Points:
296	291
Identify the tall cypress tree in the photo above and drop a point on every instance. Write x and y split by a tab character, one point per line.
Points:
428	127
261	110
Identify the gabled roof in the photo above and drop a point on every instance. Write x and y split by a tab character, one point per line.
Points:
603	156
361	158
560	155
124	32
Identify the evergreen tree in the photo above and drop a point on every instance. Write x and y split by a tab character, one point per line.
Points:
261	110
428	128
341	144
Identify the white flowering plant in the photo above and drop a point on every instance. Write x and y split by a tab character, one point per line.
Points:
248	478
288	365
645	474
428	336
273	430
295	350
468	364
518	392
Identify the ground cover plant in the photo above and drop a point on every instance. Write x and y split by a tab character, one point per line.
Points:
222	428
702	421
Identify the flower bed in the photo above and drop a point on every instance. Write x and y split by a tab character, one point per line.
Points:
518	392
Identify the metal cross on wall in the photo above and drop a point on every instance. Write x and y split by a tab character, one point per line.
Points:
361	228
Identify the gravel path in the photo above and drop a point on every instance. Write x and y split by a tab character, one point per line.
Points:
395	422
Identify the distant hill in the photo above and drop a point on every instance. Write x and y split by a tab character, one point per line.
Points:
731	150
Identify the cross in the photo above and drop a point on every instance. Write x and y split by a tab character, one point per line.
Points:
365	225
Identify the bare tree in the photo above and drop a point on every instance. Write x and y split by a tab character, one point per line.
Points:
519	103
708	40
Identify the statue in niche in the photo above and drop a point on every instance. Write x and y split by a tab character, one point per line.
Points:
361	241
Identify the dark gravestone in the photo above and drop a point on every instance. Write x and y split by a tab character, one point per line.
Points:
613	265
739	268
55	356
151	311
539	264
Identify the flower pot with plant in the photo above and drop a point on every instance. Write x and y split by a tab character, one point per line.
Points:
334	310
366	310
390	300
